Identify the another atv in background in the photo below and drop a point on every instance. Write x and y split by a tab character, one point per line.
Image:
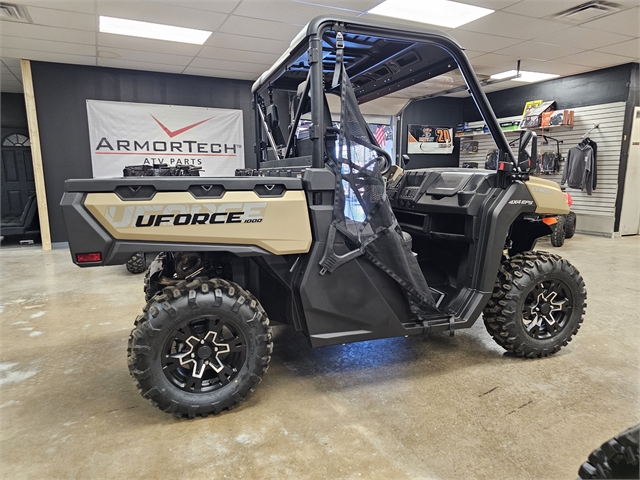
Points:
137	263
618	457
565	226
329	236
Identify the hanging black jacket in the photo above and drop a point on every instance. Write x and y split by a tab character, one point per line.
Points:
594	146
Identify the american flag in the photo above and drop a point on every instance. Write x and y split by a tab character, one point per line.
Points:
380	135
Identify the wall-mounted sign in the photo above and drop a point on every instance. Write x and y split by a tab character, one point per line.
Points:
123	134
469	147
429	139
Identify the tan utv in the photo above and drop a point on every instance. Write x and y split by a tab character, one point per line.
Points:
329	235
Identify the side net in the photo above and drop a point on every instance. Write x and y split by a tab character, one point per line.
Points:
362	212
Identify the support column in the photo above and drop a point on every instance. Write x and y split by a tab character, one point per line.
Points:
36	154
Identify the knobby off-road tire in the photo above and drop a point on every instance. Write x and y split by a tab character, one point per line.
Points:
537	304
557	234
151	284
200	347
615	458
570	225
137	263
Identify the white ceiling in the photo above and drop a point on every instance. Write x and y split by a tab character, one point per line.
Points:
249	35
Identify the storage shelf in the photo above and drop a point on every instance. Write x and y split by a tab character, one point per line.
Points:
544	129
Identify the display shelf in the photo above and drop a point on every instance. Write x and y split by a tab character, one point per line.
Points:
544	129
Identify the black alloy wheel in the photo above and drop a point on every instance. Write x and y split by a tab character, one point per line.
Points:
200	347
204	355
537	305
547	309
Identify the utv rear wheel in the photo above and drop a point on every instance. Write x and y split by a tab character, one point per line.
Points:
557	235
537	304
200	347
570	225
616	458
137	263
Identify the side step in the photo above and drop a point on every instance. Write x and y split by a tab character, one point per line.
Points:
436	324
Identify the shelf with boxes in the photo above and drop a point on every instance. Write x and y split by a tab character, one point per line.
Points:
543	129
537	115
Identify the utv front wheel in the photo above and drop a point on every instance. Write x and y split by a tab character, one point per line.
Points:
537	304
200	347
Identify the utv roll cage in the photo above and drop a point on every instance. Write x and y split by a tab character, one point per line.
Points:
379	58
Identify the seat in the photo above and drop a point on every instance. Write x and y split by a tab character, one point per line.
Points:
26	223
304	145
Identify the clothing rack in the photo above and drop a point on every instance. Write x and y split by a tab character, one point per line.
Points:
547	138
610	117
586	135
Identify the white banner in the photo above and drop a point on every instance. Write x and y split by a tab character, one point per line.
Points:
429	139
124	134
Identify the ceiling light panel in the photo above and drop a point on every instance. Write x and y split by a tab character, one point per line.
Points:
155	31
527	77
443	13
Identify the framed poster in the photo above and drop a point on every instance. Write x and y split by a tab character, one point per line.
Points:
429	139
469	147
123	134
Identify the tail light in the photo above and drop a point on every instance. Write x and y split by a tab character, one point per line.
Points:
88	257
569	199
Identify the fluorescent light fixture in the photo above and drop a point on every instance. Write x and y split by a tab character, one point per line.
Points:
444	13
524	76
156	31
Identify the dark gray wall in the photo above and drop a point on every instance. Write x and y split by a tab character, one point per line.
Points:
593	88
12	110
61	92
437	112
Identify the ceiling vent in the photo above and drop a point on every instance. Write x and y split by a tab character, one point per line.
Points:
14	13
587	12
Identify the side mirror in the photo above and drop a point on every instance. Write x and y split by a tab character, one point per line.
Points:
527	150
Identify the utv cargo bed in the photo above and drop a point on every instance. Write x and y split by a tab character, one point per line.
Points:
113	218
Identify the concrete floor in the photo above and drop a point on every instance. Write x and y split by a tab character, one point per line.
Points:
444	408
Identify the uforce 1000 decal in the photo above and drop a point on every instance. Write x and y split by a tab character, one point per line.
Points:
279	225
176	215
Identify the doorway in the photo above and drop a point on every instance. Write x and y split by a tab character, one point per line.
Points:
630	212
19	211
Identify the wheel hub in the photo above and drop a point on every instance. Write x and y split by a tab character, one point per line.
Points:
545	315
203	353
